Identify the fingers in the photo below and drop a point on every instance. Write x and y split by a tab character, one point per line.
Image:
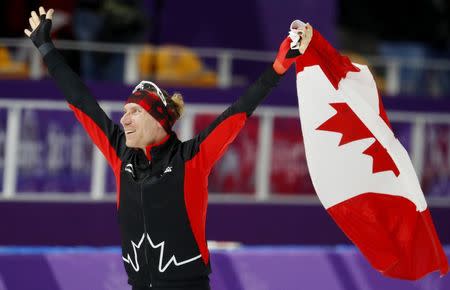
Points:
41	10
35	20
306	38
49	14
32	23
308	31
308	27
302	30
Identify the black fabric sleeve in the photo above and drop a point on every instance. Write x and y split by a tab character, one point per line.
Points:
210	144
256	93
107	135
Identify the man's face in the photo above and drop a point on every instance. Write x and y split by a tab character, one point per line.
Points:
139	126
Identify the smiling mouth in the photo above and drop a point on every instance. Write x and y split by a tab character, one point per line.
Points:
129	132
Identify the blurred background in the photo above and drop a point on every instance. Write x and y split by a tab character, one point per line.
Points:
57	195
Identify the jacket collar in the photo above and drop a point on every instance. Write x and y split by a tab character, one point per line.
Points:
154	150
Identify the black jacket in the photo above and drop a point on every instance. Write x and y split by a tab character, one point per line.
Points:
162	195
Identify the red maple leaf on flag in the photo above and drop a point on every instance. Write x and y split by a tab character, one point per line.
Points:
347	123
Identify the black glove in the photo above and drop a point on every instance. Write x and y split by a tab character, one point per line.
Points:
41	35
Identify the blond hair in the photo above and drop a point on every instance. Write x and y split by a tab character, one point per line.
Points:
176	104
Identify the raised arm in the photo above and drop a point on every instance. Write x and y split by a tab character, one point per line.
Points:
107	135
208	146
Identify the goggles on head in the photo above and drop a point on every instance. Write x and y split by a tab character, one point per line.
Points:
147	85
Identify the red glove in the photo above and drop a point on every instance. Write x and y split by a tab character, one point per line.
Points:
285	57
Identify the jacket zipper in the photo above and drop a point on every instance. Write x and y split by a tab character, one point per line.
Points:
145	231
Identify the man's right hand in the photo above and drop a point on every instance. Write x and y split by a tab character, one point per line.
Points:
40	27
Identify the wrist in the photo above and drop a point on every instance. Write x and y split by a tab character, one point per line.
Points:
45	48
278	67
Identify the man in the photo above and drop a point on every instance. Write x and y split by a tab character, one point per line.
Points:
161	182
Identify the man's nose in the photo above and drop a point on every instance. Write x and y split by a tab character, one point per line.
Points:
126	120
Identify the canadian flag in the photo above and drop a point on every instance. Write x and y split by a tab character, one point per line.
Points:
360	171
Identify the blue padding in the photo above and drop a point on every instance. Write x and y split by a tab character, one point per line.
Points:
113	249
45	250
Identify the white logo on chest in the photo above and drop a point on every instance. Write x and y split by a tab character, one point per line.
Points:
168	169
161	246
129	168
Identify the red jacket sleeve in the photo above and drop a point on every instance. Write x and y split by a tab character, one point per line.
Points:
106	135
